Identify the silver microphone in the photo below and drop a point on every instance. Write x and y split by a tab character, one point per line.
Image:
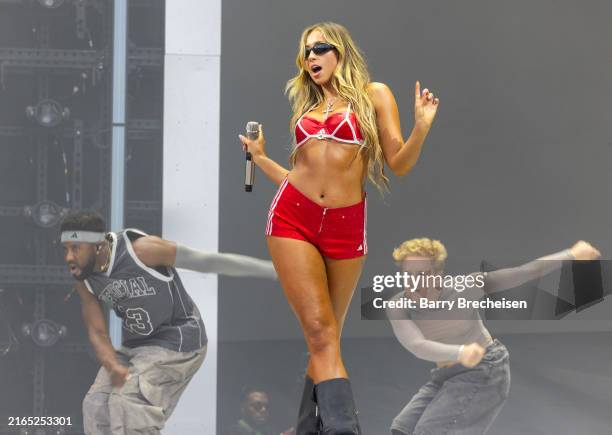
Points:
252	133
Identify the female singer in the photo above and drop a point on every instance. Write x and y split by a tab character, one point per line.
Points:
345	128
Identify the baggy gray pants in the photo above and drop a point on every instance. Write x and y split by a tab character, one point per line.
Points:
157	378
458	400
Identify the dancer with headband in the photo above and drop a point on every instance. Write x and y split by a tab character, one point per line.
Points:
345	128
472	379
164	340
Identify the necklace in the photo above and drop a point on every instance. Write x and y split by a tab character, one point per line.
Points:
328	109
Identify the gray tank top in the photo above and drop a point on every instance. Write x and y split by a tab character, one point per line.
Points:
154	307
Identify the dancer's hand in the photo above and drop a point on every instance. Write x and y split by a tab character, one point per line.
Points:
471	355
118	374
584	251
255	147
425	107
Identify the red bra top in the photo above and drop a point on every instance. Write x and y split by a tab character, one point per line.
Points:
341	127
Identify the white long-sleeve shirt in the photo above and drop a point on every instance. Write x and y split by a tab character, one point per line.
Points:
437	335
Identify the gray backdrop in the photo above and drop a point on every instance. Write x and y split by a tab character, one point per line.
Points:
516	166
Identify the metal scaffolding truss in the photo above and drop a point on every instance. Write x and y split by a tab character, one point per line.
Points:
51	58
137	129
145	58
134	209
43	68
58	61
98	4
142	210
34	275
11	131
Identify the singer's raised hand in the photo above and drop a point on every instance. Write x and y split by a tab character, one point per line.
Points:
256	146
425	106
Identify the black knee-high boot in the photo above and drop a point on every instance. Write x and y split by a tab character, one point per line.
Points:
308	417
337	408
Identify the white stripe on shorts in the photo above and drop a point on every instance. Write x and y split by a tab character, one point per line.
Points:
273	206
365	225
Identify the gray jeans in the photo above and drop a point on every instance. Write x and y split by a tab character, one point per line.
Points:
458	400
157	378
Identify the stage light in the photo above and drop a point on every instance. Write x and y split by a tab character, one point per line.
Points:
45	214
48	113
44	332
51	4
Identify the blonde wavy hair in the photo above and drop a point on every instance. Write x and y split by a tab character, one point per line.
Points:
422	247
350	80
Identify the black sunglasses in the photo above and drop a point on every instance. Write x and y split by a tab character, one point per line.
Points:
318	48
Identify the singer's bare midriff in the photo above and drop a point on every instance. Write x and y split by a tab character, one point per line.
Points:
328	172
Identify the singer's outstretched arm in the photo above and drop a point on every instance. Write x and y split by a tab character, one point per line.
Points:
256	147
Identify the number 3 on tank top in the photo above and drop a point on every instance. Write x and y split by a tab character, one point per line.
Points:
138	321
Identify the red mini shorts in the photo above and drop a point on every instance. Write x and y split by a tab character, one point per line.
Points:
338	233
